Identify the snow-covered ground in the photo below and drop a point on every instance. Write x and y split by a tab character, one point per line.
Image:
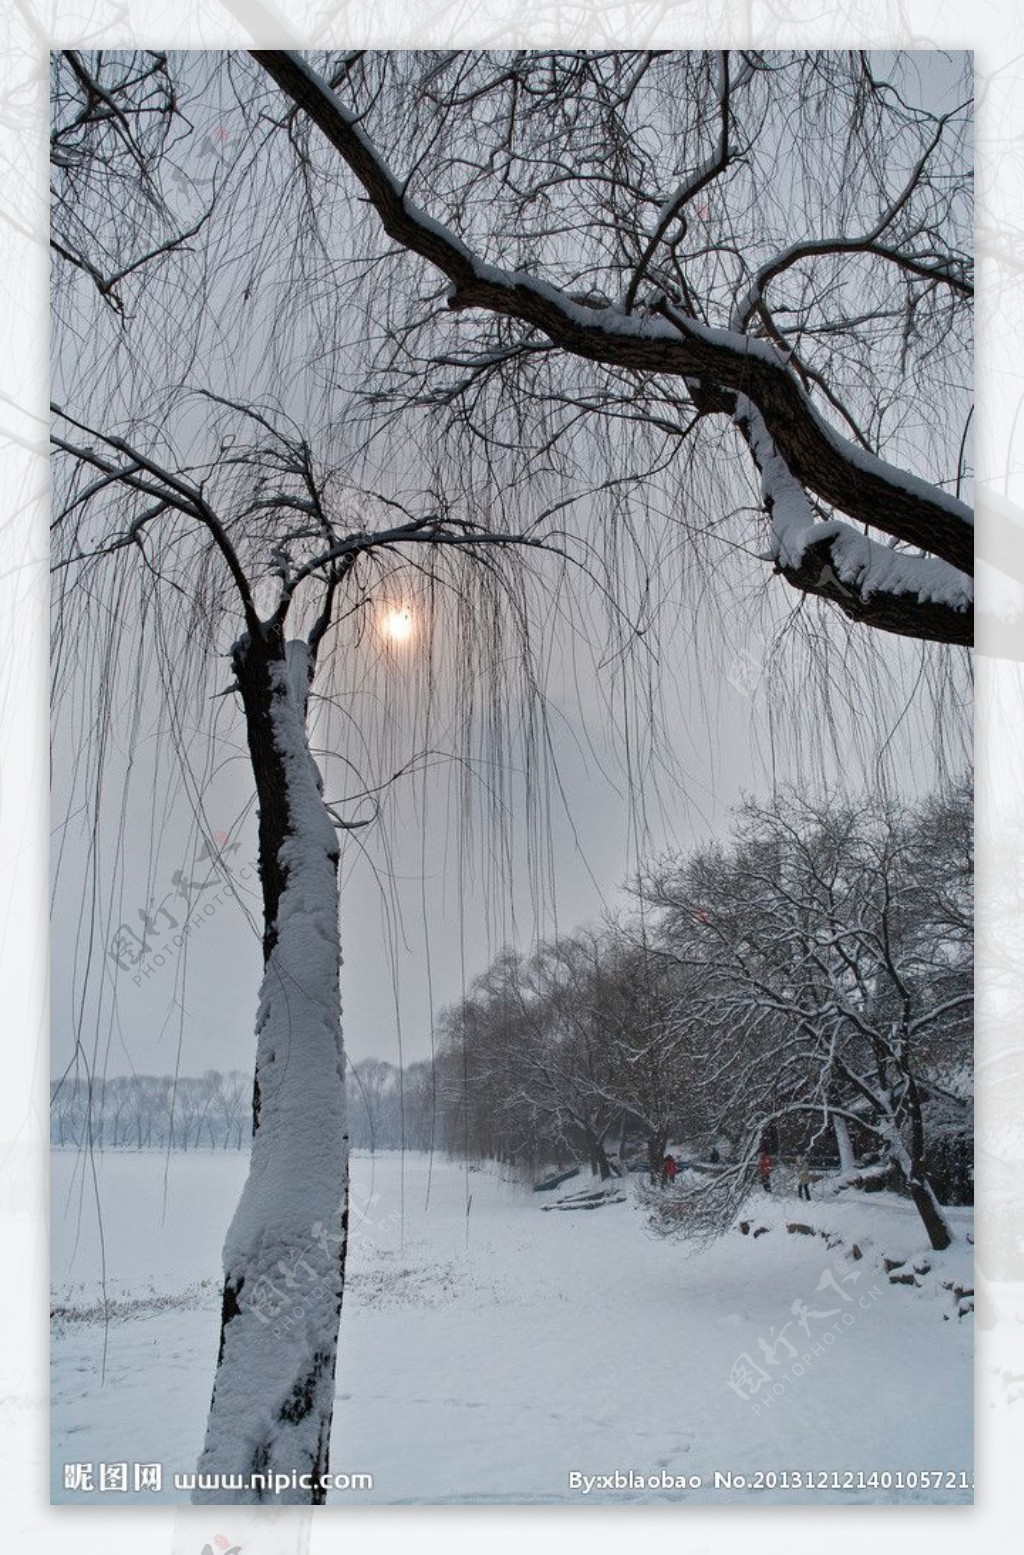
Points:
491	1351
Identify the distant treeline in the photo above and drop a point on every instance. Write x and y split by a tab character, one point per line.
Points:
388	1110
152	1112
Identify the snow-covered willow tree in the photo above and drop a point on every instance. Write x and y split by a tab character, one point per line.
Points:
256	556
222	580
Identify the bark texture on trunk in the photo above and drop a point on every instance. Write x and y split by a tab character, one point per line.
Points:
600	1165
273	1396
921	1191
657	1144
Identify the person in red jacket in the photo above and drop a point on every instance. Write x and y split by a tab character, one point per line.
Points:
764	1168
669	1167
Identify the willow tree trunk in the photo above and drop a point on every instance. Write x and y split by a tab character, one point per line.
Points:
273	1396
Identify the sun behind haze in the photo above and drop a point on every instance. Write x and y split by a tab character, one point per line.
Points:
397	624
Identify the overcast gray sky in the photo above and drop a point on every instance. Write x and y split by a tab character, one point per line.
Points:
426	901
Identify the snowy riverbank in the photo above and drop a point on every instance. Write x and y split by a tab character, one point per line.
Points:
491	1352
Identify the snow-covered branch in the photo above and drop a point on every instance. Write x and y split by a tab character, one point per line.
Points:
913	595
865	487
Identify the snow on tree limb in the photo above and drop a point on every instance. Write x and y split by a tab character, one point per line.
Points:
864	487
868	580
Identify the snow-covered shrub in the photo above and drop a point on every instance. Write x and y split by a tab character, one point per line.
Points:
698	1205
